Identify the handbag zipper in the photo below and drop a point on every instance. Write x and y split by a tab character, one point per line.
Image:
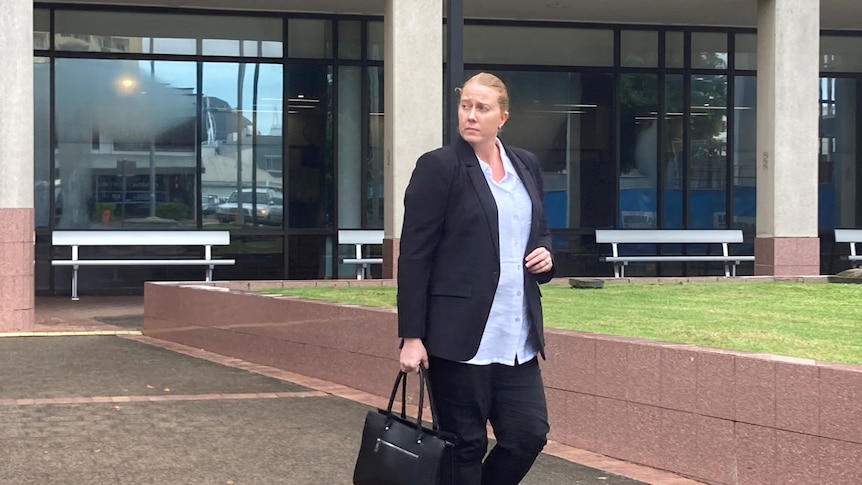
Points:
380	441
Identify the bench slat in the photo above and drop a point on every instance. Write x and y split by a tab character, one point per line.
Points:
644	259
142	262
140	238
668	236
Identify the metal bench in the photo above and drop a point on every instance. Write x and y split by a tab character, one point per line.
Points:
853	237
722	237
359	238
76	239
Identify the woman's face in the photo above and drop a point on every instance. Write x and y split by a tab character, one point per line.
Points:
479	114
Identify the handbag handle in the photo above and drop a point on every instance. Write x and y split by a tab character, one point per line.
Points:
423	387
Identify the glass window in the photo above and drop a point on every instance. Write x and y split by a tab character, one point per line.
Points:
674	47
638	48
746	52
241	144
167	34
44	182
375	41
530	45
374	201
564	118
707	168
839	200
126	144
309	38
674	153
310	185
744	153
841	54
349	138
349	39
709	50
41	28
638	151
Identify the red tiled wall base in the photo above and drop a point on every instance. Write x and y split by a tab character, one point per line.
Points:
17	302
720	417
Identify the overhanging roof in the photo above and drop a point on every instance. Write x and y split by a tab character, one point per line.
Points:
835	14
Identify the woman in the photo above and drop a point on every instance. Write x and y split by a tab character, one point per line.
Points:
474	248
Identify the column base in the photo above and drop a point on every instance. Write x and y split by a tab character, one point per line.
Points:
17	276
390	258
786	256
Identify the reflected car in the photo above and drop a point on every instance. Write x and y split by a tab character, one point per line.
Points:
268	209
209	204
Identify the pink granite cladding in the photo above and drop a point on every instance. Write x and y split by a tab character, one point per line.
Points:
17	252
390	257
717	416
787	256
754	397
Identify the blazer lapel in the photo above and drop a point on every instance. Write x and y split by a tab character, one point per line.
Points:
529	182
486	198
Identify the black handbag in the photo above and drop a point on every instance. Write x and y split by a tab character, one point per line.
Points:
396	450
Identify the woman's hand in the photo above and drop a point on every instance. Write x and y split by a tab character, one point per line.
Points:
539	261
412	353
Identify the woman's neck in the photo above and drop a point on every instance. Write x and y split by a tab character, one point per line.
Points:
488	152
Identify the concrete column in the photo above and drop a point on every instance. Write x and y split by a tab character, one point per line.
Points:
17	283
788	43
413	125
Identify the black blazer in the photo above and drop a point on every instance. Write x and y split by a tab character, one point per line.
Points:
449	259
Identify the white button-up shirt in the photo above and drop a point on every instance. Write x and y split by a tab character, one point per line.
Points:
508	327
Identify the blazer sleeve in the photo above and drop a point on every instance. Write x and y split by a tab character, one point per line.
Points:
425	201
543	235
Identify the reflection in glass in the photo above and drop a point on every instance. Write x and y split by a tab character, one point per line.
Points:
839	199
125	153
374	159
707	168
639	48
349	138
638	149
309	38
674	153
241	145
564	118
44	181
310	167
746	52
375	41
709	50
349	39
41	28
674	49
744	153
507	44
157	33
840	54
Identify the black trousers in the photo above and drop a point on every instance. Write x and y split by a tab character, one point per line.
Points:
512	399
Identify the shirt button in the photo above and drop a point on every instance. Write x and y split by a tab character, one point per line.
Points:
517	319
518	293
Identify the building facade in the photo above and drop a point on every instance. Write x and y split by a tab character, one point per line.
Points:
665	114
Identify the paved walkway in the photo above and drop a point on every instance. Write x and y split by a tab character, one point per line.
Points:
93	401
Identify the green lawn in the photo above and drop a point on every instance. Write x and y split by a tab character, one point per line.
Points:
810	320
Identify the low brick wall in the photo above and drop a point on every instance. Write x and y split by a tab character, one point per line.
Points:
716	416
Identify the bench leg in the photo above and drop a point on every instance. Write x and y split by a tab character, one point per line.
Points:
74	283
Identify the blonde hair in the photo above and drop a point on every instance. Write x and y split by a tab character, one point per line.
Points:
493	82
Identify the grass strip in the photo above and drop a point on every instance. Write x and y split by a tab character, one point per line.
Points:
808	320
